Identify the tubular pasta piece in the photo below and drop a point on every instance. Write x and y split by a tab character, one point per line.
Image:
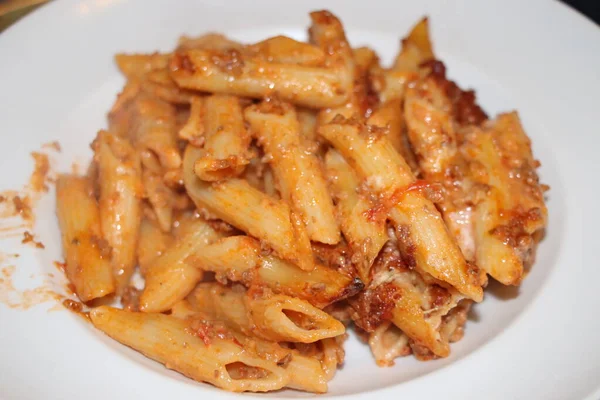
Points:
365	235
273	317
297	172
171	277
230	72
226	141
87	254
248	209
176	344
120	182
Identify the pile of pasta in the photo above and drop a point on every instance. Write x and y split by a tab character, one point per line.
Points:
273	194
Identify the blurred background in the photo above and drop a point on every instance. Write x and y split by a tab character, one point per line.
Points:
12	10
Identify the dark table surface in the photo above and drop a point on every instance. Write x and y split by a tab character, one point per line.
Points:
590	8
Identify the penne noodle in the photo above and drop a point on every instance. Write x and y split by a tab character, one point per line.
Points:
433	136
305	372
239	259
152	243
230	72
271	317
389	117
365	235
139	65
320	287
248	209
297	172
87	254
171	277
326	32
416	48
186	347
431	128
294	320
425	238
120	182
277	49
226	141
417	324
232	258
359	104
511	209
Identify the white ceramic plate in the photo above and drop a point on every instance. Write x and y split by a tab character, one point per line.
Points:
57	81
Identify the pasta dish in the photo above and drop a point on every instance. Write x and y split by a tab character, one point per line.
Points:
273	195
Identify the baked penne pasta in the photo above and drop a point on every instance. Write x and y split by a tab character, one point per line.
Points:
365	235
171	276
400	295
433	134
193	349
512	208
271	317
248	209
239	259
297	172
226	141
120	183
305	372
87	254
425	238
275	193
